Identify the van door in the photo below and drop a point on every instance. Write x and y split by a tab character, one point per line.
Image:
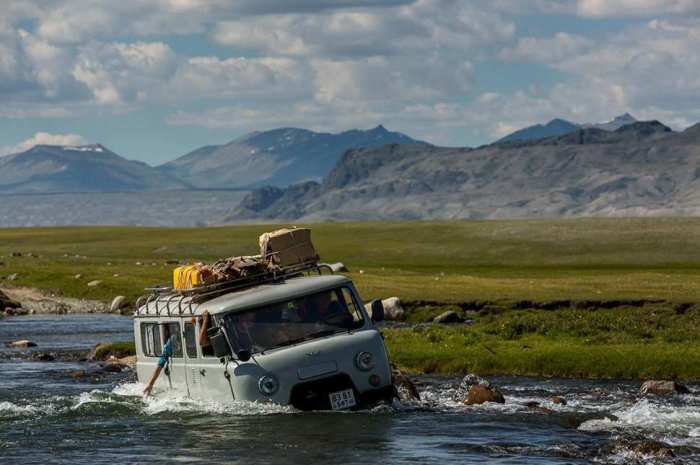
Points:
192	361
177	376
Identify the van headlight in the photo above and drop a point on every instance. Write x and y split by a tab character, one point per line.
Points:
268	385
364	361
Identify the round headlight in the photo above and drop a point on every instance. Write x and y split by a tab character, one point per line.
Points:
364	361
268	385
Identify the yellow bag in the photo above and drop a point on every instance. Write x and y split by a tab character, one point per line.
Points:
189	276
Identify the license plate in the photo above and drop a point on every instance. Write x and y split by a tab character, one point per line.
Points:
342	399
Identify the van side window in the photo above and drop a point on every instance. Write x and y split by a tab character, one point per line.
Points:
352	308
173	330
190	341
150	339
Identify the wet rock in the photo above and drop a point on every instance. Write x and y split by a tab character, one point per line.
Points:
23	344
448	317
405	389
117	303
44	357
470	380
536	407
113	367
481	394
662	388
393	310
16	311
557	400
652	448
339	267
94	283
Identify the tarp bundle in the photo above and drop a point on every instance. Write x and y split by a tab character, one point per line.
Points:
278	250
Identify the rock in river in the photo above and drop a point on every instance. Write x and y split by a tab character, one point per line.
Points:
481	394
662	388
23	344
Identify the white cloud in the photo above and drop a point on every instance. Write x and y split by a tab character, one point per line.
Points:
627	8
43	138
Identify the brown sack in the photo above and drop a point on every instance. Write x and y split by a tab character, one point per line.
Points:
288	247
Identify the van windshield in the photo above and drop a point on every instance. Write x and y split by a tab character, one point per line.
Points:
294	321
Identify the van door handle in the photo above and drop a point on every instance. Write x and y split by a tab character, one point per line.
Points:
203	372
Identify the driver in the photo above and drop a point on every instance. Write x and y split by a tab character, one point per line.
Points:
329	311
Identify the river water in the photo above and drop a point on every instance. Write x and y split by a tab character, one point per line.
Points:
47	416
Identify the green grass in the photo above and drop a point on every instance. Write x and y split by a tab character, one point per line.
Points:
116	349
627	342
635	266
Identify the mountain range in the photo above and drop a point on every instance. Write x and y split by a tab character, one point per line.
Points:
559	127
86	168
278	157
640	169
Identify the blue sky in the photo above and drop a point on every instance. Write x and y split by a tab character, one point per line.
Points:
153	79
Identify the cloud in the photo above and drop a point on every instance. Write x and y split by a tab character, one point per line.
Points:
43	138
547	50
631	8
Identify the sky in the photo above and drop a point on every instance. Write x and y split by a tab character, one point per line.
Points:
154	79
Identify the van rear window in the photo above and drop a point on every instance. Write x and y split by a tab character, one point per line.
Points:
150	339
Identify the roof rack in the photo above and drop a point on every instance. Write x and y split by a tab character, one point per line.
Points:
166	301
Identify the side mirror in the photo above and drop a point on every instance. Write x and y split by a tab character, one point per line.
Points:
243	355
218	342
377	310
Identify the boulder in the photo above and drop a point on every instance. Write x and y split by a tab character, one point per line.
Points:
44	357
6	302
12	277
94	283
23	344
448	317
16	311
393	311
652	448
470	380
662	388
481	394
78	276
339	267
405	389
117	303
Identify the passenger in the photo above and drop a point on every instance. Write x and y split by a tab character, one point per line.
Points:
162	362
203	338
244	331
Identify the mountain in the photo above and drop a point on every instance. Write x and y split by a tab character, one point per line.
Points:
560	127
614	124
556	127
639	169
86	168
278	157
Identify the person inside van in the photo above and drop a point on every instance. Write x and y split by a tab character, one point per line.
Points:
203	338
162	362
329	311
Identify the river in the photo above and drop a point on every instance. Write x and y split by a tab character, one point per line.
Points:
47	416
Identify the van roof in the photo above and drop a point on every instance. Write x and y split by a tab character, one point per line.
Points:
270	293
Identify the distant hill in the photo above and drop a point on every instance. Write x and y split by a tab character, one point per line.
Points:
86	168
556	127
640	169
278	157
560	127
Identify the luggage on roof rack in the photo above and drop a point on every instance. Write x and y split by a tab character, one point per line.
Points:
288	247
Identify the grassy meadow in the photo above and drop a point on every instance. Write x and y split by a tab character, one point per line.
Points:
569	297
